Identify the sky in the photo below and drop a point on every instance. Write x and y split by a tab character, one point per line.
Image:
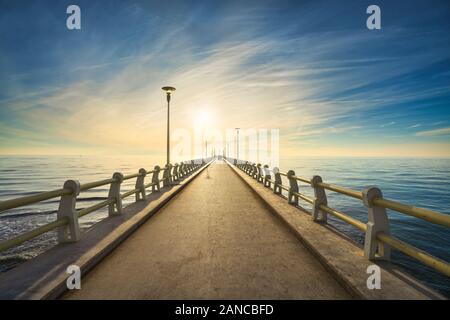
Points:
311	69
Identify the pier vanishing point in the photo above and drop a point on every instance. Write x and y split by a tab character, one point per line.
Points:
217	229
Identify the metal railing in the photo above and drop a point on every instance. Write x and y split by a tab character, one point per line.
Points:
378	240
66	222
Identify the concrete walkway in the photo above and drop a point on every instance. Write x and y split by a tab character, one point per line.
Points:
215	240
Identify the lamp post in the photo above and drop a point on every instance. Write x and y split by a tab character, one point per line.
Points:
168	91
237	143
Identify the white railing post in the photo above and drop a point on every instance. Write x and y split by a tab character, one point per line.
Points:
293	188
181	170
378	222
259	174
278	182
115	208
67	209
140	195
176	177
254	171
155	179
267	176
171	174
166	176
320	197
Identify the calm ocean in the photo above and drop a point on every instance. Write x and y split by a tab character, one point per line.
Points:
420	182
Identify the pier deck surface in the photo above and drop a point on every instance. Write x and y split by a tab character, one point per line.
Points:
214	240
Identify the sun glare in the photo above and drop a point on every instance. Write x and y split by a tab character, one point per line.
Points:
203	119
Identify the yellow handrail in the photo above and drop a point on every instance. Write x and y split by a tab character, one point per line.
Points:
96	184
341	190
129	193
131	176
149	185
416	253
305	198
22	201
338	214
302	180
421	213
95	207
7	244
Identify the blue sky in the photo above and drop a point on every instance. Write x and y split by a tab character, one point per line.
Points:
309	68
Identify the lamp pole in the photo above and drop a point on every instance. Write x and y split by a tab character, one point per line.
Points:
237	143
168	91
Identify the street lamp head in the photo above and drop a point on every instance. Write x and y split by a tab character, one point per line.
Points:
168	90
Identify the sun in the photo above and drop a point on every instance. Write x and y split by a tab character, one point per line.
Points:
203	119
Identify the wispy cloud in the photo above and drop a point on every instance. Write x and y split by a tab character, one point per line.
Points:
435	132
387	124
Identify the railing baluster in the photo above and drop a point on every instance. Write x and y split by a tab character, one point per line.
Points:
170	174
293	188
67	209
155	179
378	222
181	170
114	193
320	197
267	176
278	181
140	195
176	177
259	174
166	176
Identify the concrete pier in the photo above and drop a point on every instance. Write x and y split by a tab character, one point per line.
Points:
211	242
215	234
